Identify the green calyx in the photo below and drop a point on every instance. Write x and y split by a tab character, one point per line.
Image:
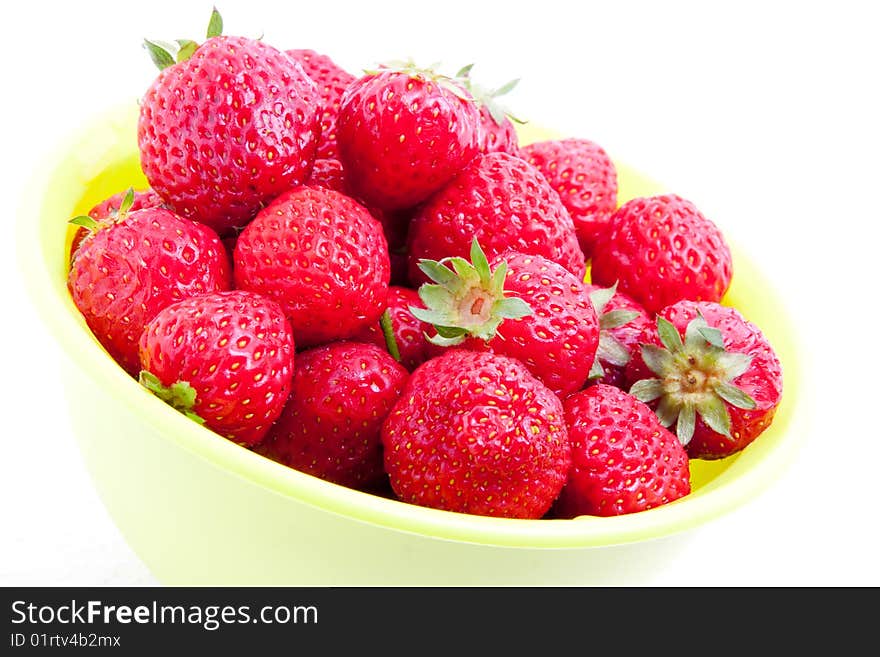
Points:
427	73
92	225
489	97
168	53
180	395
387	327
466	299
610	349
694	378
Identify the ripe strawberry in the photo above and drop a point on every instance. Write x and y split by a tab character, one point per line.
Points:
323	257
475	432
331	423
403	133
224	358
506	204
409	332
585	179
623	459
522	306
225	130
331	81
135	265
661	250
107	210
496	130
720	386
621	322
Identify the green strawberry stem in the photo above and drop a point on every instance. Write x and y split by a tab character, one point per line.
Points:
179	395
168	53
694	378
90	224
489	97
610	348
388	332
466	300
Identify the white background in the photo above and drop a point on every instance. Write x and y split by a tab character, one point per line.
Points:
763	112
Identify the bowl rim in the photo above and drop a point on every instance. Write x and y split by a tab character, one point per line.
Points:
752	471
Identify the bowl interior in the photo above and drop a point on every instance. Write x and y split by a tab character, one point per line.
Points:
103	160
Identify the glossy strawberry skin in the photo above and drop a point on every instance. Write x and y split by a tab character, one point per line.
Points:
108	208
123	274
331	81
401	137
584	177
627	335
235	348
409	332
506	204
330	426
322	257
660	250
623	459
477	433
497	137
557	343
762	381
225	131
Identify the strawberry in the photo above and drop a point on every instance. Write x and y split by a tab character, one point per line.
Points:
331	81
225	128
585	179
323	257
711	373
403	133
496	130
224	359
621	322
408	331
660	250
475	432
522	306
136	264
623	459
330	426
107	210
506	204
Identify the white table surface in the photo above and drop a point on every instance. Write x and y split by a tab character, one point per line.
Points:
764	115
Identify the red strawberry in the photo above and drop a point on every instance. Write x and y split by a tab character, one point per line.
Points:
224	131
110	207
497	133
586	180
474	432
323	257
403	133
660	250
330	425
623	459
522	306
409	332
129	269
621	322
331	81
719	385
224	359
506	204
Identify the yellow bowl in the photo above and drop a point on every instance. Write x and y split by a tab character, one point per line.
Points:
198	509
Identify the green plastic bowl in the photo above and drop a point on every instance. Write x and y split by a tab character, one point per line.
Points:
198	509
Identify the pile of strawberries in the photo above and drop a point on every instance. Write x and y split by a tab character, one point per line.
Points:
369	280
